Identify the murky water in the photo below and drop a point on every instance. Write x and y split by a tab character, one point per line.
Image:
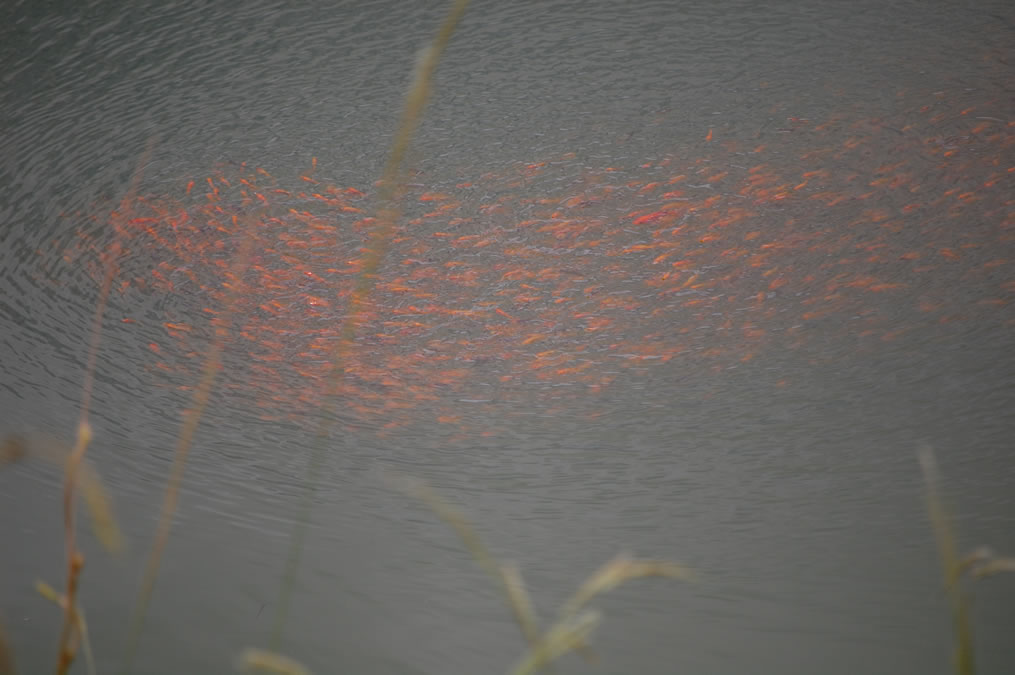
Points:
691	282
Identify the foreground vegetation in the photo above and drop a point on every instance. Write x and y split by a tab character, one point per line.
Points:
574	623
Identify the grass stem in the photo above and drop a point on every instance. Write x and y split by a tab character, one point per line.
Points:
191	419
380	240
75	561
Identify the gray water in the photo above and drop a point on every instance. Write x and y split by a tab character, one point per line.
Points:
785	475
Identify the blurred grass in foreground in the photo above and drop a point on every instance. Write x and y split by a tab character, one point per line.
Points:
977	565
570	630
574	623
15	448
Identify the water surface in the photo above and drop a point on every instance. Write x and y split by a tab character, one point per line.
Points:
689	281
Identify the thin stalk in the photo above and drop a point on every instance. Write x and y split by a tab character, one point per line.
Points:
191	419
75	561
965	663
507	576
388	214
48	592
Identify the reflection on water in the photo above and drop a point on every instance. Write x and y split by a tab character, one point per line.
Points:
688	283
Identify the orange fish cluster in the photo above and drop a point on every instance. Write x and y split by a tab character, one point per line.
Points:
552	280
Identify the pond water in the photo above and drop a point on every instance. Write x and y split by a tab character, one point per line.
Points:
691	282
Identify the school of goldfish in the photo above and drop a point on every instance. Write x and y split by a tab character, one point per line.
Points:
554	279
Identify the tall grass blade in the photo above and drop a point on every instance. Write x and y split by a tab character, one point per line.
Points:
50	593
560	639
519	601
84	431
252	659
191	419
380	239
507	577
617	571
964	659
7	666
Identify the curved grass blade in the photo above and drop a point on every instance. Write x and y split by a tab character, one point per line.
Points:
560	639
253	659
15	448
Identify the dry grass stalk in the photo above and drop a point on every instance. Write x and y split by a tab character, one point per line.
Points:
380	239
964	659
507	576
570	620
75	561
983	563
80	625
617	571
519	601
15	448
191	419
573	626
253	659
993	566
558	640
